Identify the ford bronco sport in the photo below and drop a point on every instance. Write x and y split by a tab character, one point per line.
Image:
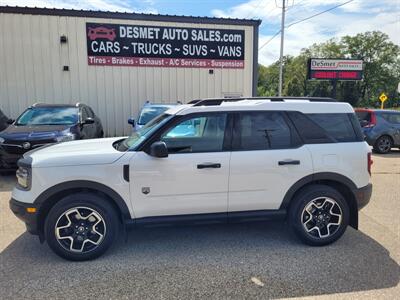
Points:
303	160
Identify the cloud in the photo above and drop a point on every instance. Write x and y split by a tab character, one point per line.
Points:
355	17
105	5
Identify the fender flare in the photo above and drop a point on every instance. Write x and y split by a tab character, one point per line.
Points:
85	184
315	177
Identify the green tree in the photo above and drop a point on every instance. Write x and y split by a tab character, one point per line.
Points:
381	70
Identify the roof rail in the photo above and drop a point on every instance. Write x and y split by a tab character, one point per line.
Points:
219	101
36	104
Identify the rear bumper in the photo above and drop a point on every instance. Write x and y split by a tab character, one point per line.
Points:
363	195
30	219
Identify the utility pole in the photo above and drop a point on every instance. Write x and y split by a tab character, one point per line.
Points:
281	53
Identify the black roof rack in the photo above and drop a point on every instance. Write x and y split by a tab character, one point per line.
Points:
218	101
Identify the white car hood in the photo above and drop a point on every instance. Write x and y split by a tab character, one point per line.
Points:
82	152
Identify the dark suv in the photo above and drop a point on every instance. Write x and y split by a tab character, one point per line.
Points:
4	121
381	128
44	124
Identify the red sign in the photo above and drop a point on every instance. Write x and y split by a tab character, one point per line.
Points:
335	69
165	62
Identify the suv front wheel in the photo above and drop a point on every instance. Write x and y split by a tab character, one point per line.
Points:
81	226
319	215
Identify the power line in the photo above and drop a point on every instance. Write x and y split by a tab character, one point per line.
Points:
320	13
255	7
302	20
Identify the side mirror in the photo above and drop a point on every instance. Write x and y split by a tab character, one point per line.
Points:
131	121
159	149
10	121
88	121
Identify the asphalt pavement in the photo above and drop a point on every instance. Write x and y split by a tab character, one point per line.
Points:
241	261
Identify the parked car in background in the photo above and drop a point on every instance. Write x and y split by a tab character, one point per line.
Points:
44	124
149	112
4	121
381	128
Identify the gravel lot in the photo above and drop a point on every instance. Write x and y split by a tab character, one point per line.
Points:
244	261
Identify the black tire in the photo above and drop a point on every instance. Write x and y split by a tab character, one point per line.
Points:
298	215
86	204
383	144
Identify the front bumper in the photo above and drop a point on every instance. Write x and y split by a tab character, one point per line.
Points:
363	195
20	210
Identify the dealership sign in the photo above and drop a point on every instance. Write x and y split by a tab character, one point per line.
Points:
157	46
335	69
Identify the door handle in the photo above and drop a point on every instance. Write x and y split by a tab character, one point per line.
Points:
209	165
288	162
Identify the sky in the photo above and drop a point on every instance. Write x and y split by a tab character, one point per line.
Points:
355	17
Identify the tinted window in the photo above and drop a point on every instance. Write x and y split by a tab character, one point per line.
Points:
310	132
197	134
85	114
49	116
391	117
338	126
90	112
262	130
364	115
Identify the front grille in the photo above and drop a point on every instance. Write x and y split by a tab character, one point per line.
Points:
17	147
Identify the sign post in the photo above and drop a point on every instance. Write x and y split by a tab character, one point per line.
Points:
383	98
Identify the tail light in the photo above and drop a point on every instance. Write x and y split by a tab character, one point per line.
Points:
369	163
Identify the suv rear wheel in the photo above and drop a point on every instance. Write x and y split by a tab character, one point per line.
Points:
81	226
383	144
319	215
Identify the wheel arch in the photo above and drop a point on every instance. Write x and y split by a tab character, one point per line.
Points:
51	196
337	181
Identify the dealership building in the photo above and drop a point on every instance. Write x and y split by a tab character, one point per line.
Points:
115	62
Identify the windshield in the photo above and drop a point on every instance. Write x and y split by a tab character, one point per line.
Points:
149	113
49	116
139	136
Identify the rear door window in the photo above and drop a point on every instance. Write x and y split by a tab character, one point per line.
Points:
263	131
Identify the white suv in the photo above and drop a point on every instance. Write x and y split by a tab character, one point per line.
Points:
218	160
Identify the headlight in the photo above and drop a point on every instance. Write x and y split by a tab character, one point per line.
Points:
1	140
23	177
66	138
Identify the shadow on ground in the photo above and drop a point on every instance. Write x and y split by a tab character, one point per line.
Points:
197	262
394	153
7	181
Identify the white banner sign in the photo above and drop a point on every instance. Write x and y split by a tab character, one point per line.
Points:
336	64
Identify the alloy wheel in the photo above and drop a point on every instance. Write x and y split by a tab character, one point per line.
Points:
384	144
322	217
80	229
